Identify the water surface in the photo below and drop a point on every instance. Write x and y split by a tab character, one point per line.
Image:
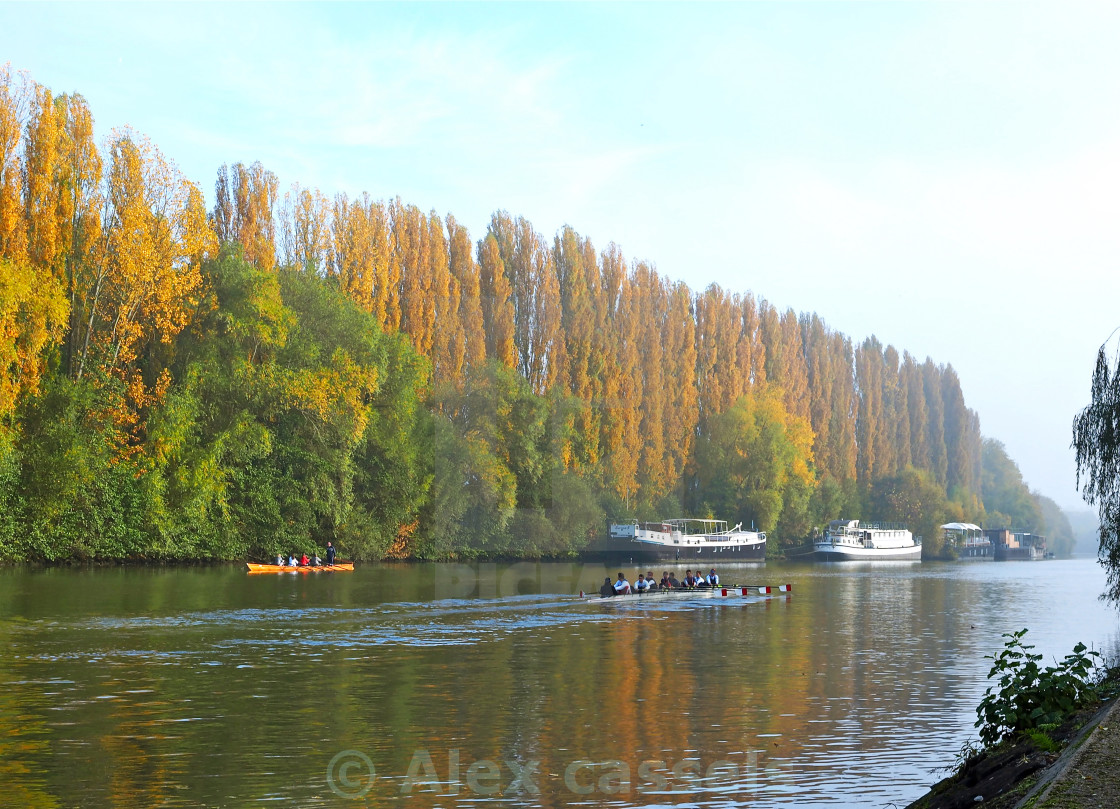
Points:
497	684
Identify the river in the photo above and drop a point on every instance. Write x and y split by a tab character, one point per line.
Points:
495	684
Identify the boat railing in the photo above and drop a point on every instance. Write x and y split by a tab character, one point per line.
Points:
883	526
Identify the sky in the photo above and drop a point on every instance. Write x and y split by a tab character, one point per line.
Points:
944	176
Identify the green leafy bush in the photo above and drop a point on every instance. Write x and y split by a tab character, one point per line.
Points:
1027	697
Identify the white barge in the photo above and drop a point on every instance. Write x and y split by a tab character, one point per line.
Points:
847	540
687	540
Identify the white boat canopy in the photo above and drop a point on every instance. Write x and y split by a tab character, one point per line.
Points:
961	526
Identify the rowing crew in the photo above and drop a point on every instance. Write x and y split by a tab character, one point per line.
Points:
303	561
669	581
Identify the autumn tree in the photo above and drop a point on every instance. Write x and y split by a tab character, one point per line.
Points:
448	353
535	295
582	326
143	292
497	308
935	422
465	271
13	104
715	340
244	211
33	315
682	402
81	203
305	230
624	397
412	253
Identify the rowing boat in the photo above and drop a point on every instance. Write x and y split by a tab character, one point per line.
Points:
255	568
719	591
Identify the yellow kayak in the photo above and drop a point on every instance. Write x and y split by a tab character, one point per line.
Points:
255	568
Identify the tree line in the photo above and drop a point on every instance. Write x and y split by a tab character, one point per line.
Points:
279	370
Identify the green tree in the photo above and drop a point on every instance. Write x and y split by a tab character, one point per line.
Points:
1059	533
754	464
912	497
1008	501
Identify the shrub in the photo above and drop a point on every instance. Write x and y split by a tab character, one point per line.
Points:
1027	697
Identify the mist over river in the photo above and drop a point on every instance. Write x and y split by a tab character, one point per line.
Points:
448	684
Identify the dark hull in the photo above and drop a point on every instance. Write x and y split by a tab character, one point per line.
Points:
626	550
1005	554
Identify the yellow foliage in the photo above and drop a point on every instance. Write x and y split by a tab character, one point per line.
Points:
13	102
33	314
157	234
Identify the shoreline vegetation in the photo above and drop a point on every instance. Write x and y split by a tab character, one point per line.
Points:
1031	721
260	376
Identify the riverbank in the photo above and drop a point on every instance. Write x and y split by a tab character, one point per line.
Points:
1073	767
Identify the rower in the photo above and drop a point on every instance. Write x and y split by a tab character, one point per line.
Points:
304	561
650	581
621	587
666	581
673	580
316	561
330	554
291	560
279	560
689	579
713	578
641	585
607	590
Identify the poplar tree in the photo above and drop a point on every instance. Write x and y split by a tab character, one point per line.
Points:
577	273
41	188
869	416
935	409
80	209
13	103
465	270
244	211
448	339
305	231
682	405
497	309
650	308
917	412
897	422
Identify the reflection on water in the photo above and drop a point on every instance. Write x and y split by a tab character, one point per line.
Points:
497	683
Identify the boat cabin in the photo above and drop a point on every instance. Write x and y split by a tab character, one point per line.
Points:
968	539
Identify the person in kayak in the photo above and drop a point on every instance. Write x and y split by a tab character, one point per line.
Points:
330	554
621	587
607	590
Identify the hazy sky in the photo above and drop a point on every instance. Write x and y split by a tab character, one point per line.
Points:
943	176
